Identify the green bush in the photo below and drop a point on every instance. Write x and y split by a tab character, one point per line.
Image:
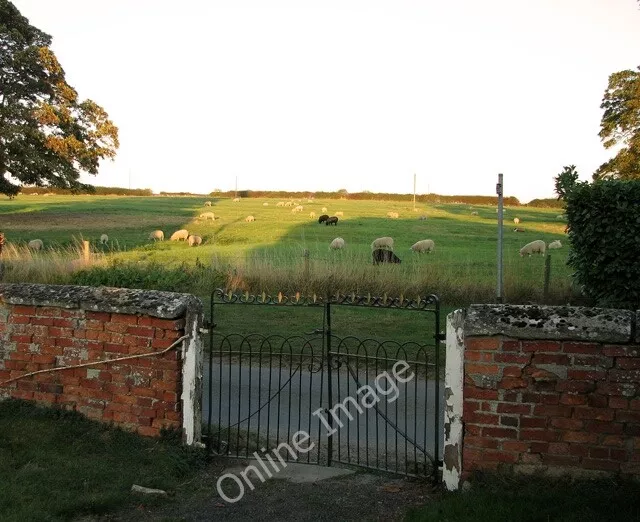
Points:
604	232
149	276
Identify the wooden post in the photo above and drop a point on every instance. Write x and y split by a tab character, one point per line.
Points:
547	278
85	251
305	255
1	262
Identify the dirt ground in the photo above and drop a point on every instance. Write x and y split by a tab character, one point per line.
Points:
359	496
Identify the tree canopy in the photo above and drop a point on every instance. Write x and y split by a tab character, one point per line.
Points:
48	137
620	125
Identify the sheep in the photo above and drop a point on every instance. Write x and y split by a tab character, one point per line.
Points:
555	244
535	247
208	215
382	243
288	204
384	256
280	204
333	220
298	208
337	244
207	203
104	239
35	244
310	200
312	215
393	215
516	221
194	240
236	200
249	219
474	213
324	210
561	216
426	245
157	235
265	204
178	235
518	229
340	213
423	218
323	218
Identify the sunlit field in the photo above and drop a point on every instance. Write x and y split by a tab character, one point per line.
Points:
267	255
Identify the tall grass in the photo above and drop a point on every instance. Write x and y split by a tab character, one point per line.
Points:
54	265
461	281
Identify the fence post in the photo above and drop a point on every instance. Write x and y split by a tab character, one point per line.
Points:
85	251
305	255
547	277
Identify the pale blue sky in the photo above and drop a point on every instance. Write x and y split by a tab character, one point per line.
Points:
355	94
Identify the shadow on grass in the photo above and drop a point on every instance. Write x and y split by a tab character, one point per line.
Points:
57	465
507	498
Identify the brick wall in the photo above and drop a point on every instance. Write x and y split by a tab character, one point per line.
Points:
44	327
554	389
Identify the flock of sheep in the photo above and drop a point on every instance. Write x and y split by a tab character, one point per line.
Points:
382	247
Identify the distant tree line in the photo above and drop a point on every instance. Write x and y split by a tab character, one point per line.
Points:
99	191
366	195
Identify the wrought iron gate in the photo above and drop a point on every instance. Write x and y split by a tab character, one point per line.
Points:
263	388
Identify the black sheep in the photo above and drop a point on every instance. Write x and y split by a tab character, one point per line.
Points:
384	256
323	218
333	220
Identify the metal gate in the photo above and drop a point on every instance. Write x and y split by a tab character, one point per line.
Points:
349	397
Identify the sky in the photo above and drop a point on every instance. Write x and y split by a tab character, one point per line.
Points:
345	94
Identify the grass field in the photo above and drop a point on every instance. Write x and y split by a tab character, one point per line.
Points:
267	255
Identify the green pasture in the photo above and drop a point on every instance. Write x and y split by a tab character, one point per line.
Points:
267	254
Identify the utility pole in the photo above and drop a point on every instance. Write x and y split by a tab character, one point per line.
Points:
414	191
499	191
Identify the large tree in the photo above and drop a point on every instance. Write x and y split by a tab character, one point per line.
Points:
48	137
620	125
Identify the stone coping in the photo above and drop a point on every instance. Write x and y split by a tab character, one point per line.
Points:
155	303
552	323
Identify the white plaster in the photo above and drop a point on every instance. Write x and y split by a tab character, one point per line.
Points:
191	383
453	391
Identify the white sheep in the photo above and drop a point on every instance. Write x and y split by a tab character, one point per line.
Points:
104	239
208	215
382	242
280	204
236	200
561	216
337	244
207	203
288	204
426	245
157	235
474	213
178	235
393	215
35	244
298	208
555	244
265	204
423	218
324	210
535	247
312	215
339	213
194	240
516	220
249	219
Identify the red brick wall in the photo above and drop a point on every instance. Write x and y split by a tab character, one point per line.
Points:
568	404
141	394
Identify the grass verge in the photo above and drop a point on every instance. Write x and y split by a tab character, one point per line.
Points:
507	498
57	465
